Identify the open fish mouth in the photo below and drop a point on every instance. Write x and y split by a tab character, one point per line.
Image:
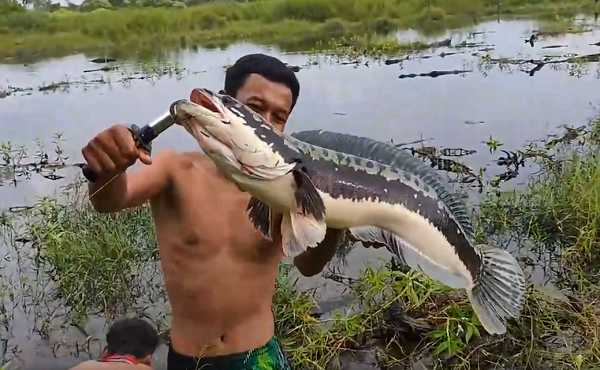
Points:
204	109
203	103
206	118
225	129
208	100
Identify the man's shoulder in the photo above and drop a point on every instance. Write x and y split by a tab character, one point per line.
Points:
186	163
86	365
173	159
95	365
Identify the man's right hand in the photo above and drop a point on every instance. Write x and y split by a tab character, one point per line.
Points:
112	151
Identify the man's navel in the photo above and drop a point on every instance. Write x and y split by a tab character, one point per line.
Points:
190	239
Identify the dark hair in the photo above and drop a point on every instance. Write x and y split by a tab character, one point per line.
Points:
266	66
131	336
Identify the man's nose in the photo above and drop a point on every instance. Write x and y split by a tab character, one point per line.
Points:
266	116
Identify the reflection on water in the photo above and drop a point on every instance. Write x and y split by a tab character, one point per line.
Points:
497	99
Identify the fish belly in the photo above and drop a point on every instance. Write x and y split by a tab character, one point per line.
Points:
422	235
343	213
278	193
411	227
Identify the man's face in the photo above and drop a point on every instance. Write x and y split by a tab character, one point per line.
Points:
272	100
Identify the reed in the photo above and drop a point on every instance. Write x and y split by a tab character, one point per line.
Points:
292	24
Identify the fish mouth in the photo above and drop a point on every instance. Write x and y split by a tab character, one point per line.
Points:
209	101
206	119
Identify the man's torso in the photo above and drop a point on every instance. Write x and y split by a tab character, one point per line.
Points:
219	271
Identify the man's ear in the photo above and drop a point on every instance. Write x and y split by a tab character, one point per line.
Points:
105	352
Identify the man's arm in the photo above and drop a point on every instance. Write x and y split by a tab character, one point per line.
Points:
133	189
314	260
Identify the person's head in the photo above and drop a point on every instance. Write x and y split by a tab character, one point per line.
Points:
266	85
132	337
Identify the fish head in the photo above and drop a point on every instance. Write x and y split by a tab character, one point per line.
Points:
230	133
206	123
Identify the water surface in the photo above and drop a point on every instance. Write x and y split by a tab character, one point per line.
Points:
450	111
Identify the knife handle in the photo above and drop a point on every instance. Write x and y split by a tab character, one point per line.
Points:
143	140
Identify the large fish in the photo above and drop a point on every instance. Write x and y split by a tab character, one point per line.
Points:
315	188
390	155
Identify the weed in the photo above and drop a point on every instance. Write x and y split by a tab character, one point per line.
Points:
292	24
560	206
101	264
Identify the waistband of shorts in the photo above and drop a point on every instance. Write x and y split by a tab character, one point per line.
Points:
270	351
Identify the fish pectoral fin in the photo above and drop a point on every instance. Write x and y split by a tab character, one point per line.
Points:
261	216
409	255
308	200
299	232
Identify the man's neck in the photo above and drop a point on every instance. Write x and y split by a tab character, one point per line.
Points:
125	359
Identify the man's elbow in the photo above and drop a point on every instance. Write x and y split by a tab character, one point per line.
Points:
101	206
306	268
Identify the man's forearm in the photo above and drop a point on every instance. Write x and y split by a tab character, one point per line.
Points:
108	195
314	260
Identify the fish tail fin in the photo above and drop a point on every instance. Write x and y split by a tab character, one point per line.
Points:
499	292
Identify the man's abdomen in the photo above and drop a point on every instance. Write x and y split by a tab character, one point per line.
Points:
219	306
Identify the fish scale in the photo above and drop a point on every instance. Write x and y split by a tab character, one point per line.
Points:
392	156
406	207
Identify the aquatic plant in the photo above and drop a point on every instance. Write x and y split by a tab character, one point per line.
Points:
291	24
106	265
559	208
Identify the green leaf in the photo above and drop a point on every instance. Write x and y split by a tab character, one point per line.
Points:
469	333
475	320
438	334
476	332
441	348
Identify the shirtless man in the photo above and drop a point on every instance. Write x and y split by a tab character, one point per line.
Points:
130	344
219	271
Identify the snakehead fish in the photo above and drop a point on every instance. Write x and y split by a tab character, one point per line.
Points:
315	188
390	155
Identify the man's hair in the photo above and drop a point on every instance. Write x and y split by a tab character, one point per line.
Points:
266	66
131	336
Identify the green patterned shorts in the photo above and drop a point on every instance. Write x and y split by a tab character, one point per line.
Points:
268	357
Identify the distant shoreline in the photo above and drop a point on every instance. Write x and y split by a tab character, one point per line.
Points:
293	25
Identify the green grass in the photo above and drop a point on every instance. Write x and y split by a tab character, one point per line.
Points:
97	263
291	24
559	209
405	316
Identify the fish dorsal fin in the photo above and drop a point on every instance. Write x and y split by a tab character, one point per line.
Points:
389	155
409	255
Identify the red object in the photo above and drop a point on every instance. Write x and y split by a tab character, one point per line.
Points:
123	359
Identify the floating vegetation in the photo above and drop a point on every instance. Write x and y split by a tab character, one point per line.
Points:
66	265
400	317
576	65
123	75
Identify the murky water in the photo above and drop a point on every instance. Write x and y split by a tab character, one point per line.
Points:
464	110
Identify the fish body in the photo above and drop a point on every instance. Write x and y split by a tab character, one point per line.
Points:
316	188
390	155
